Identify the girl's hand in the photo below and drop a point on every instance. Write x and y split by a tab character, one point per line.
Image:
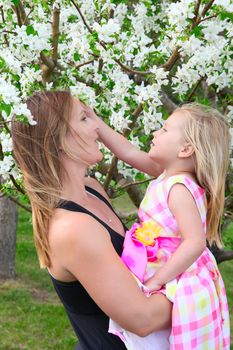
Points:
152	284
90	112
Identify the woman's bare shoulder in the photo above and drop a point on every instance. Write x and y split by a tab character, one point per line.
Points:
68	229
93	183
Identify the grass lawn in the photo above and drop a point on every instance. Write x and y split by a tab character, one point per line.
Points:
31	316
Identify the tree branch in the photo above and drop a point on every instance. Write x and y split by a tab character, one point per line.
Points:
206	8
81	15
220	254
20	13
172	60
206	18
81	80
49	66
17	186
196	13
135	183
110	172
135	115
85	63
130	70
169	105
20	204
191	94
3	20
55	30
4	123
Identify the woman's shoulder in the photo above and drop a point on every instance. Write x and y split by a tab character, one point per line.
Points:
65	222
70	229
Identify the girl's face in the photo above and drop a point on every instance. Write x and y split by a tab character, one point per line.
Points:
169	140
83	134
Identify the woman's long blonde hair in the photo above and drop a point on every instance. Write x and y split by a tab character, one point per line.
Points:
36	150
208	132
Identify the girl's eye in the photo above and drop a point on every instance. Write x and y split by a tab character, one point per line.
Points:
84	118
164	129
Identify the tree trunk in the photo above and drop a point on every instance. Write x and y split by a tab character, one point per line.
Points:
8	223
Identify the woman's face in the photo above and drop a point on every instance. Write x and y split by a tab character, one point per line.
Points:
83	134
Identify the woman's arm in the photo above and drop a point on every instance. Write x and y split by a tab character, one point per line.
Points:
124	149
84	248
183	207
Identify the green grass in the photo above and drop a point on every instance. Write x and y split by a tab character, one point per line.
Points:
31	316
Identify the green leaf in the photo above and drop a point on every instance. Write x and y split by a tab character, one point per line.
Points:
197	31
110	85
2	62
76	57
225	15
5	107
22	118
31	31
15	2
72	19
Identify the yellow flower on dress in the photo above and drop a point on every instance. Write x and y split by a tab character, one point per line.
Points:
148	233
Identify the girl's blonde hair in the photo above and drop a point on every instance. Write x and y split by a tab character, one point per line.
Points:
208	133
36	150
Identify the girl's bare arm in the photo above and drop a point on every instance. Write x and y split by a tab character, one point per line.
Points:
183	207
125	150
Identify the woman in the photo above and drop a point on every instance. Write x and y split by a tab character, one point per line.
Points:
78	236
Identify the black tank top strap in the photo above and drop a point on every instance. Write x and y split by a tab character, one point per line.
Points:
73	206
99	195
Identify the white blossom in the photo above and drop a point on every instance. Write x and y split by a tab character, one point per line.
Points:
8	91
6	165
141	36
21	109
84	92
107	31
6	142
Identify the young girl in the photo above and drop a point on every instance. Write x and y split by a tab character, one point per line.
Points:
167	250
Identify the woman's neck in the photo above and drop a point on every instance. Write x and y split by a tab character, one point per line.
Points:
73	184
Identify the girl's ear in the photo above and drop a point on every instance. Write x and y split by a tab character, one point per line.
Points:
186	151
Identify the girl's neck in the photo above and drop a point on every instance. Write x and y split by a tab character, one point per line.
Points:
190	174
181	166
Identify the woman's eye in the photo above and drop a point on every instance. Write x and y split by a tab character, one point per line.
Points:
84	118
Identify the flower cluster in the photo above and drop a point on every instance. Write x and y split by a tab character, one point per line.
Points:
116	57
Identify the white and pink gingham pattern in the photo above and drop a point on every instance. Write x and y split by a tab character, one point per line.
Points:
200	316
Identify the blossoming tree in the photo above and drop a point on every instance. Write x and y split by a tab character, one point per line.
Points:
133	61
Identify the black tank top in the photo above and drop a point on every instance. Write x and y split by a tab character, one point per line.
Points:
90	323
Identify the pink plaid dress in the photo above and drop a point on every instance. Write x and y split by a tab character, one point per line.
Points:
200	316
